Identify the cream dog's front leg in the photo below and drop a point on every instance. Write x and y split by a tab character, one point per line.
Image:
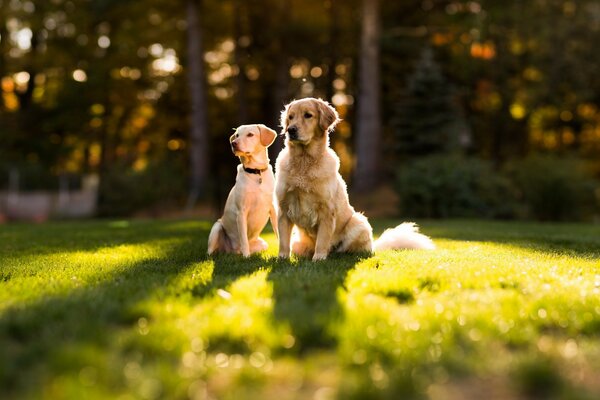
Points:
324	236
273	218
242	225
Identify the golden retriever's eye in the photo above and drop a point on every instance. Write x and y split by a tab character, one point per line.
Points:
307	115
291	117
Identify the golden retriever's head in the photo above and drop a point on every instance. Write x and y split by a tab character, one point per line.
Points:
250	139
308	119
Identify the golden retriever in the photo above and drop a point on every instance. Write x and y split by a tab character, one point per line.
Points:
311	194
250	202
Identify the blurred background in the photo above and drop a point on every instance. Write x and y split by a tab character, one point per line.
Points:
481	109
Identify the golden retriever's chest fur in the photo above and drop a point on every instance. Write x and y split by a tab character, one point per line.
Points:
303	209
306	188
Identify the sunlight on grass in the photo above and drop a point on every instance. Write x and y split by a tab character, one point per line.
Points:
243	309
423	319
136	310
27	276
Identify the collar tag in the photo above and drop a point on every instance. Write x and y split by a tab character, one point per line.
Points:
256	171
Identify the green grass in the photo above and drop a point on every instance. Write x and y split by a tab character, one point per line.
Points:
136	310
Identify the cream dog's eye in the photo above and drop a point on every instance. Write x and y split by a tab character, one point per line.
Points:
250	134
307	115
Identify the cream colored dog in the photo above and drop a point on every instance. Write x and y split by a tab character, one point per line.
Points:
250	202
312	195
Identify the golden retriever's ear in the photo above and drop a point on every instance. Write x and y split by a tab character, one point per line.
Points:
267	135
328	116
284	118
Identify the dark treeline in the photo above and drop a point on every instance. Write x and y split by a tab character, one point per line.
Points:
144	94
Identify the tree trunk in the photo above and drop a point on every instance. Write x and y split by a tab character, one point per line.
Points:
279	94
240	60
368	127
334	34
198	123
4	48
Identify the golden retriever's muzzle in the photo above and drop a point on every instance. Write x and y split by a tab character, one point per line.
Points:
292	132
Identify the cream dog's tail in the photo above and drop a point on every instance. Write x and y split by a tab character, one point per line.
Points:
404	236
217	239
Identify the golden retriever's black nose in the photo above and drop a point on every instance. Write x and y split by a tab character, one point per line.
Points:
293	132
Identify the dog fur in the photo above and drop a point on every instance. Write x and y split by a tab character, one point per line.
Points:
312	196
250	202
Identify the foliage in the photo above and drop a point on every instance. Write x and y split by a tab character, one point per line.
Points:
555	188
111	309
124	191
547	188
453	186
86	85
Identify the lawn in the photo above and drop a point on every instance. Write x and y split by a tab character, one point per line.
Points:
135	309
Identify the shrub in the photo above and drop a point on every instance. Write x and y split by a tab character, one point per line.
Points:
124	191
553	188
444	186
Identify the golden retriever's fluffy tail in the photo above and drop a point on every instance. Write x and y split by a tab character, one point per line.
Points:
404	236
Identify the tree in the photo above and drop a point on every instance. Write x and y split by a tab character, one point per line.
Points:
368	118
427	118
240	60
198	123
4	48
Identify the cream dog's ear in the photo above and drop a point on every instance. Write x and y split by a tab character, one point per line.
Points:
267	135
328	116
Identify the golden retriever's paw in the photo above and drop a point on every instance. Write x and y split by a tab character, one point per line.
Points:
284	256
319	256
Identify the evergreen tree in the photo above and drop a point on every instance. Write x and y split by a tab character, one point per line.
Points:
427	120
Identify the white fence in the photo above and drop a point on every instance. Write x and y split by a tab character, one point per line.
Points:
42	205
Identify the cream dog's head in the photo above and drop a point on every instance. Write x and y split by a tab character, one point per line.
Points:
251	139
306	120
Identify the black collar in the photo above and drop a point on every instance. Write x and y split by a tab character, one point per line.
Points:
254	170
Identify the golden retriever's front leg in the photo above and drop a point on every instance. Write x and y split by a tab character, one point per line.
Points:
324	236
242	225
273	218
285	235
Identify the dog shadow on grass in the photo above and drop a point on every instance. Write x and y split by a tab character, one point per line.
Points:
306	297
304	293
